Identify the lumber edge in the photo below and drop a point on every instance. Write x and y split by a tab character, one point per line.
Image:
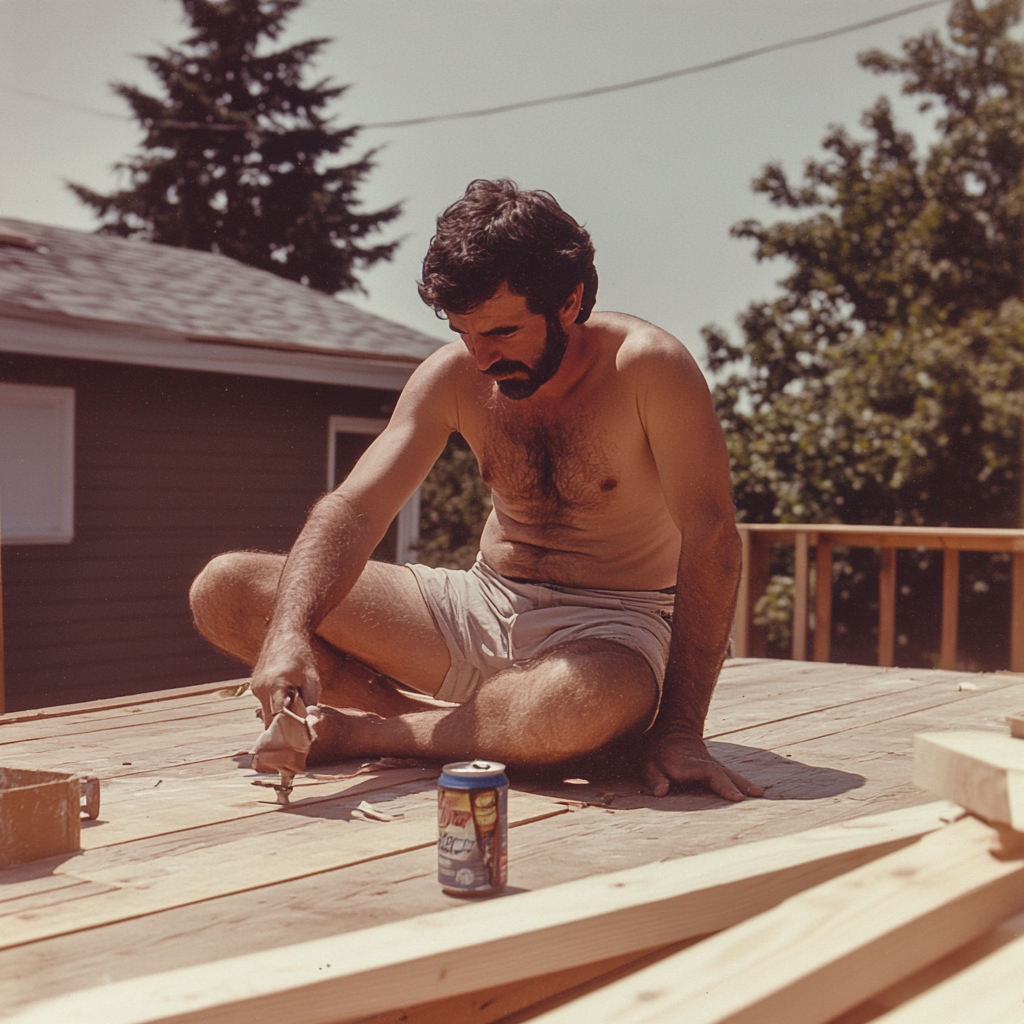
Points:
462	950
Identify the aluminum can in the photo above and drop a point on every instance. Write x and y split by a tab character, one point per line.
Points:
472	824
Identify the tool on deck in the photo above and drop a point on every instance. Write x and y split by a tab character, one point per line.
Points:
283	746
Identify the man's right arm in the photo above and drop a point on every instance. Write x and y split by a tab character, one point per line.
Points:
345	526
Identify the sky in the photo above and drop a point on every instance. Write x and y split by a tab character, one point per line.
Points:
657	174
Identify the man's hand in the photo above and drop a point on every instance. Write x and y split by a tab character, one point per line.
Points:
280	674
683	757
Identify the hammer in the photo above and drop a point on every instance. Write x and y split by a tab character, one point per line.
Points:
283	746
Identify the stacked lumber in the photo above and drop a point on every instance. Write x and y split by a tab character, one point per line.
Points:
912	916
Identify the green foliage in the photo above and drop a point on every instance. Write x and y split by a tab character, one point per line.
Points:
884	384
456	504
235	154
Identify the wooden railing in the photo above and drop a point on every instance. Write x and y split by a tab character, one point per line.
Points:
749	640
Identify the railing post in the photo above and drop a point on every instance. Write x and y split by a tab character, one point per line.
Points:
950	598
741	615
1017	615
887	608
823	600
801	585
748	640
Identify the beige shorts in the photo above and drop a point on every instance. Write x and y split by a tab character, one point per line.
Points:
490	622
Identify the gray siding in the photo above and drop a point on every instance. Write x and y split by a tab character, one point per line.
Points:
171	468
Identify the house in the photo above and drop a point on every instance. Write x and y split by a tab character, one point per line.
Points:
157	406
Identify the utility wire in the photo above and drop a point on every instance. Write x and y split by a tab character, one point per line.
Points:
693	69
63	103
564	97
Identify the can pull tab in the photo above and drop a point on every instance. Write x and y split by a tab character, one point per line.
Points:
481	766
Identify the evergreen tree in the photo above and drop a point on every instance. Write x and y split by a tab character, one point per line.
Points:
884	385
235	154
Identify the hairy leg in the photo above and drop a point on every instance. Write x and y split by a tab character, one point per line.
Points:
382	628
570	702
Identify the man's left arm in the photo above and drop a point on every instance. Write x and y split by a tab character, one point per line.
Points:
693	465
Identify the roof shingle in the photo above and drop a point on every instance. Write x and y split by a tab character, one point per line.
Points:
198	295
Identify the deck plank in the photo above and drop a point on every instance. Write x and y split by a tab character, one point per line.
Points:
831	742
146	881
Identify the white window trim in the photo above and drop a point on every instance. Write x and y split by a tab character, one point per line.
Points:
62	402
409	515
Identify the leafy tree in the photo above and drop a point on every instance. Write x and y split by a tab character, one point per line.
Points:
234	158
884	385
456	504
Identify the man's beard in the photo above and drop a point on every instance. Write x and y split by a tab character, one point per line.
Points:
556	341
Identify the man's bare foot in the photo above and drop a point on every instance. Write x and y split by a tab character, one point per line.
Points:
334	739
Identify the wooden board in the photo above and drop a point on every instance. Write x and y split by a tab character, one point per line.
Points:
459	951
137	879
990	991
936	972
829	948
139	806
982	771
778	724
39	815
96	708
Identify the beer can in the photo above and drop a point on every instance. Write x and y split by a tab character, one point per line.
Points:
472	824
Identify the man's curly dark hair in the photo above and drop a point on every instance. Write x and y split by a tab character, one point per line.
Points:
498	233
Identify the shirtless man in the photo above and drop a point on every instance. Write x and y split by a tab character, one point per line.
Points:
602	597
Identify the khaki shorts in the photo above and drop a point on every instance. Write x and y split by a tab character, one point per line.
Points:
490	623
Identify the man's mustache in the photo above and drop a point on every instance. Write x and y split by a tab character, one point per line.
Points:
503	367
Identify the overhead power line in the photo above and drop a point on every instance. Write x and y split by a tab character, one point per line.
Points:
505	108
635	83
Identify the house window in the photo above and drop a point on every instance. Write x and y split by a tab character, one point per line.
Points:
347	438
37	464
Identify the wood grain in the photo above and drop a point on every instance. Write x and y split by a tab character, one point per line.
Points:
982	771
146	884
829	948
459	951
990	991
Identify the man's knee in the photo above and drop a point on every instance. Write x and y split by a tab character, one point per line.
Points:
228	586
594	702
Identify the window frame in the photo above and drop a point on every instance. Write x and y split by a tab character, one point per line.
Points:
61	400
408	527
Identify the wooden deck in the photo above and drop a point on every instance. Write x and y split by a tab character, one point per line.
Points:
189	862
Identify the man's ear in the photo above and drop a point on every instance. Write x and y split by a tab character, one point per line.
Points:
570	309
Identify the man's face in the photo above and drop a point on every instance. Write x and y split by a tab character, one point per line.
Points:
519	349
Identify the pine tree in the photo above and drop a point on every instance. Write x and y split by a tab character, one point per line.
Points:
235	155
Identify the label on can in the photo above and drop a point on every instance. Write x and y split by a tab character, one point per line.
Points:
472	819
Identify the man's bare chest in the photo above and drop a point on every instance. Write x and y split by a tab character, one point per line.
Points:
560	467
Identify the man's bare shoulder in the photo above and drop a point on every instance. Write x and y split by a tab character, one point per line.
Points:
644	348
445	369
